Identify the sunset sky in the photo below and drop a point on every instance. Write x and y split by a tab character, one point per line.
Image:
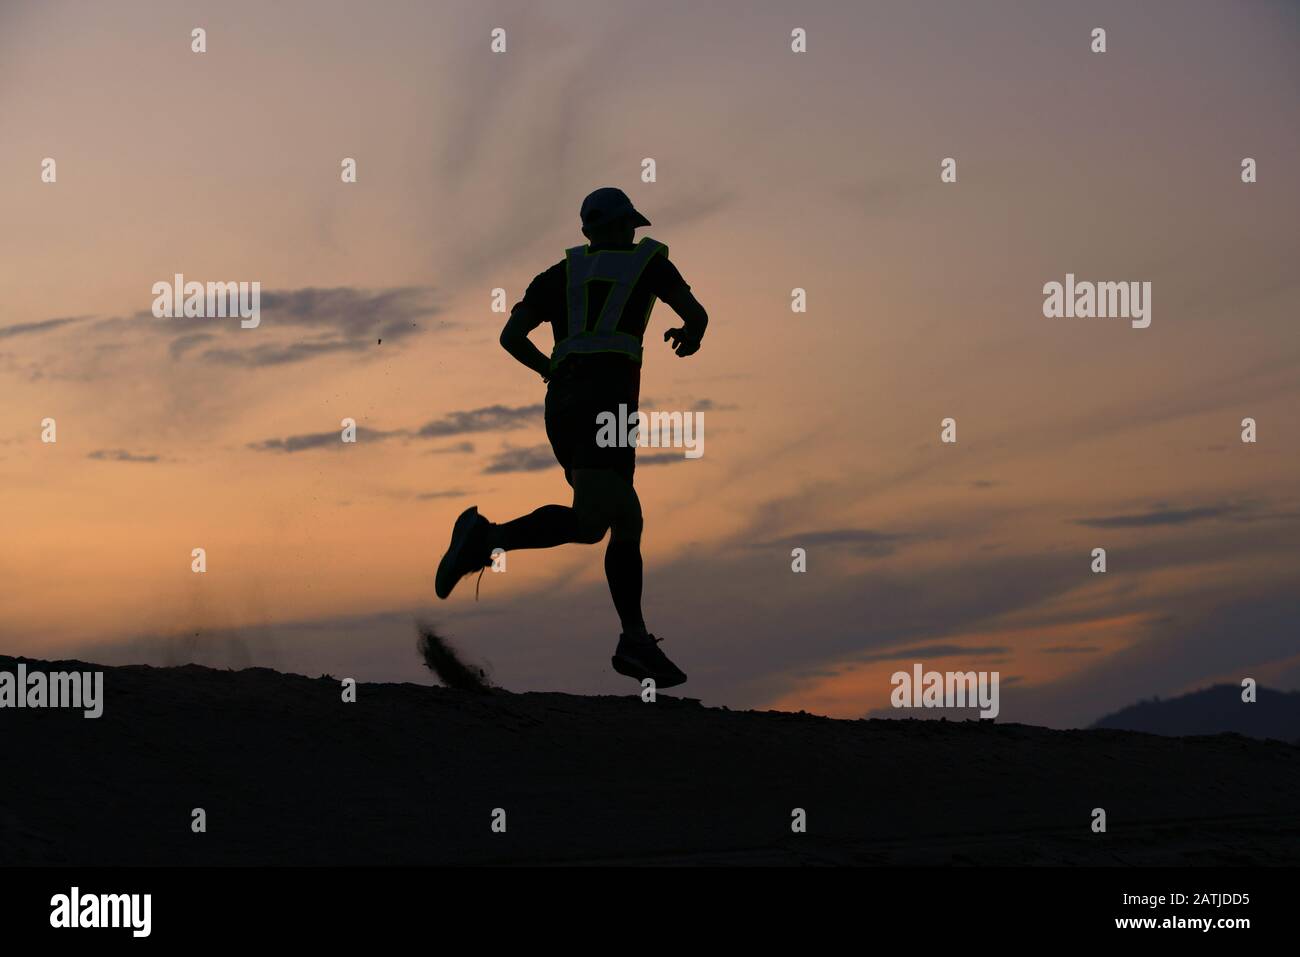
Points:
775	170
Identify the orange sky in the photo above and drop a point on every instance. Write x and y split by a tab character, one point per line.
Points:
774	171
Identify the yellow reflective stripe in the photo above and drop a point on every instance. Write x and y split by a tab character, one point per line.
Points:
582	266
596	342
616	301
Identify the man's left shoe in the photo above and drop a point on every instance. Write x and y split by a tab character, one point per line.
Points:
639	657
468	551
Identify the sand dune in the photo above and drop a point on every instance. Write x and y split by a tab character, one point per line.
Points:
408	774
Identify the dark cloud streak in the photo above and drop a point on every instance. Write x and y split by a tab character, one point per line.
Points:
319	440
493	418
44	325
1160	516
120	455
531	459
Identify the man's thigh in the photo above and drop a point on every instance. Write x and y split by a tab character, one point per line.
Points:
572	429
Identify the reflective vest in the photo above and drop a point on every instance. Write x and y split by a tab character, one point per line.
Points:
621	269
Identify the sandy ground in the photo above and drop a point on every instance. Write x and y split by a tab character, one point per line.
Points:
289	774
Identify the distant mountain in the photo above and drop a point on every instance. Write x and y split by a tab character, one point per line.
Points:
1275	714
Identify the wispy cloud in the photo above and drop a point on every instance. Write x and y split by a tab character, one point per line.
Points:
320	440
457	448
346	320
296	325
355	313
921	652
659	458
268	354
44	325
121	455
863	541
531	459
493	418
1160	516
185	343
449	493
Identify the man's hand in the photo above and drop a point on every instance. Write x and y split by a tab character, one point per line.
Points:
686	338
514	339
684	342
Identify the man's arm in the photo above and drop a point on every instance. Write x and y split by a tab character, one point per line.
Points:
686	339
514	339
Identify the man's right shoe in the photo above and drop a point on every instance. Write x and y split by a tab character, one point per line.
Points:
468	551
639	657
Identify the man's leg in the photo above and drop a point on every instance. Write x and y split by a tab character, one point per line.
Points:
638	654
571	431
546	527
604	498
474	539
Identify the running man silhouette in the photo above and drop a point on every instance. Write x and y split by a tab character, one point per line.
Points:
598	301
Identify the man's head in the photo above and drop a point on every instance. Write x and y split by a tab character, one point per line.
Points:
608	216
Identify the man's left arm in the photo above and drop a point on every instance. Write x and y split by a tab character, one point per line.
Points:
685	340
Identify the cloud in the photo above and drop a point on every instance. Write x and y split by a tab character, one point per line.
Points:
1160	516
185	343
1213	635
1071	650
885	195
538	457
449	493
659	458
456	449
514	184
350	312
863	541
683	403
44	325
120	455
320	440
921	652
267	354
340	319
696	202
493	418
352	320
531	459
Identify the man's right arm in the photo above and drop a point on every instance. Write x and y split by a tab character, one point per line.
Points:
514	339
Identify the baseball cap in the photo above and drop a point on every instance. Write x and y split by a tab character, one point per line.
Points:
607	204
